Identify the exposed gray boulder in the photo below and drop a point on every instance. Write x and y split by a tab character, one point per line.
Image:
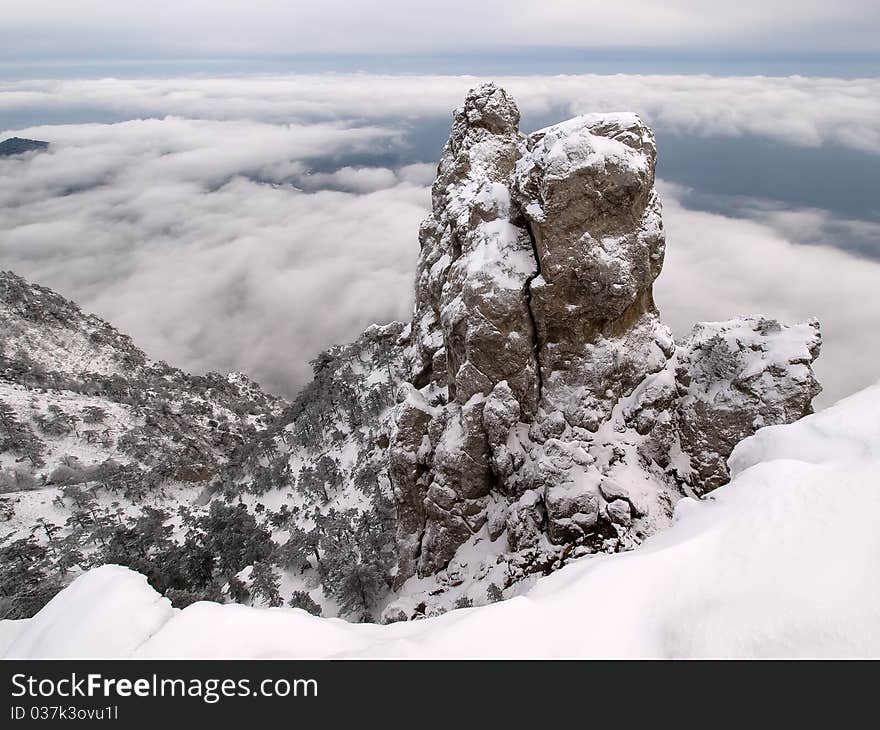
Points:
586	191
736	377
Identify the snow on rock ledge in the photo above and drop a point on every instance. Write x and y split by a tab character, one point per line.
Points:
752	571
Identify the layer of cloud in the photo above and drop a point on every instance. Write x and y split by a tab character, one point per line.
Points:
218	245
793	110
259	27
719	266
815	226
181	233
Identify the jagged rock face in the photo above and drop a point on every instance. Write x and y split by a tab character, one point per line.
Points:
586	189
535	272
547	401
735	377
472	319
472	325
533	305
407	471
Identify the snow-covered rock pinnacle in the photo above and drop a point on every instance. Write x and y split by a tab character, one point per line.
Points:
548	407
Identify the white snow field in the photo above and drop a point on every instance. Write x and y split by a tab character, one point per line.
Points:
781	562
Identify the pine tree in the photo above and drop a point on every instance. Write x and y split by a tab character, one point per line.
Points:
494	594
49	528
353	563
295	553
57	422
264	584
67	555
18	437
24	586
301	599
93	414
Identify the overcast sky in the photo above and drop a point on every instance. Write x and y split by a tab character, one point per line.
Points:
91	29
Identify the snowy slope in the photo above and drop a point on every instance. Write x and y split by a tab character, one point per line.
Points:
92	433
780	562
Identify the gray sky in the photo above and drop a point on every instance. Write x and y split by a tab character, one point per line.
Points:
47	29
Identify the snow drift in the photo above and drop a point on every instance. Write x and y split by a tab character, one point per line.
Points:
782	561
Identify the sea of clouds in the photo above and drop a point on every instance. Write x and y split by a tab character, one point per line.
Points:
805	111
247	223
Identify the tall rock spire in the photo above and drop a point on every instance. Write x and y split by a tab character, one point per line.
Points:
472	322
546	399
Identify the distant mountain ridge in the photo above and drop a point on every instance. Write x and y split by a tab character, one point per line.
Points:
19	145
